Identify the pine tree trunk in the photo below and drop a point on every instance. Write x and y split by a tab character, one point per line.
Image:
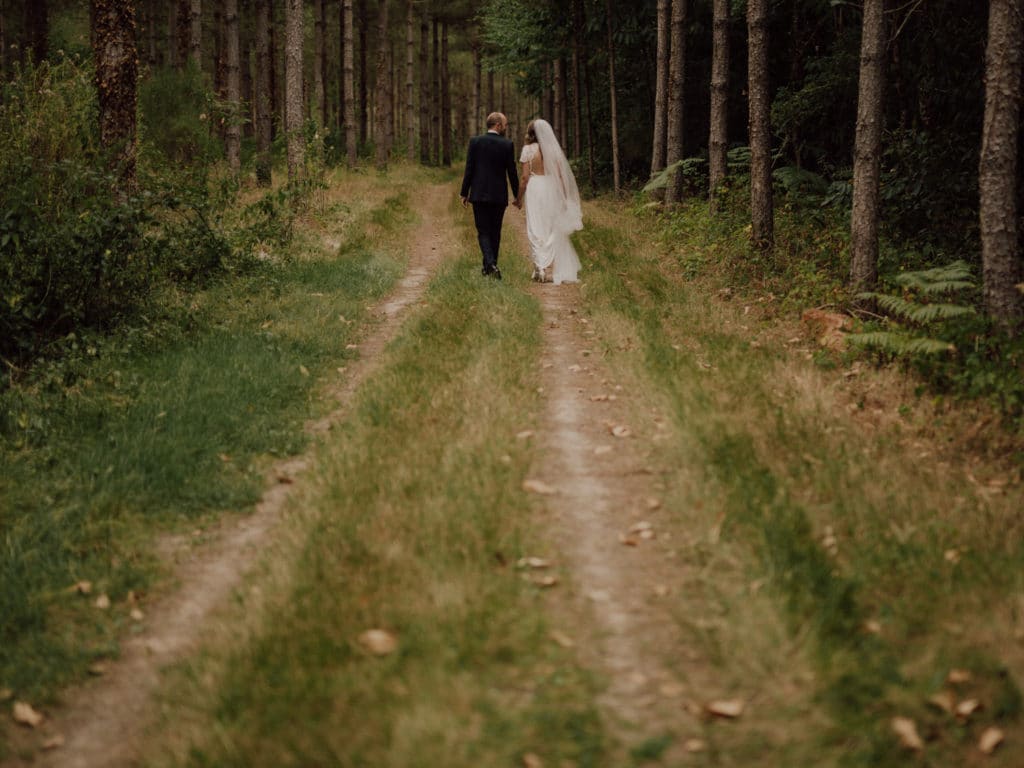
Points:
364	24
112	34
435	96
761	206
997	182
577	119
233	133
172	34
264	107
248	112
868	149
293	87
588	95
351	148
446	100
490	93
410	81
616	179
556	89
476	119
276	81
320	62
37	30
424	91
341	71
195	32
184	32
718	139
658	152
3	40
383	94
676	99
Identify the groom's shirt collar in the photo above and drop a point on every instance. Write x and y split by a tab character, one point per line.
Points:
494	132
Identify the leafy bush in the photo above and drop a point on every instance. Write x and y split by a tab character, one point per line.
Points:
182	135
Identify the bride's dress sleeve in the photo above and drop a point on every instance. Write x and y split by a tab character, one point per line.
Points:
526	155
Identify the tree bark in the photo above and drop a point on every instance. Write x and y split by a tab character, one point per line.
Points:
588	96
3	40
112	34
37	30
233	132
997	182
341	71
320	62
676	99
293	88
410	81
245	51
264	105
477	85
364	113
761	204
424	91
183	34
195	32
558	76
383	92
351	148
868	149
616	179
577	119
718	139
172	34
435	96
446	100
661	90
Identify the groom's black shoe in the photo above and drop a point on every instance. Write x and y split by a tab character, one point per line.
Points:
492	272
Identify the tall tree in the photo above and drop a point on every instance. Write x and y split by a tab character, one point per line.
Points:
718	139
435	95
1000	247
661	89
446	100
233	131
676	99
759	126
3	40
341	70
577	112
424	90
477	85
37	29
172	34
364	112
195	32
868	149
557	79
112	34
616	173
350	96
293	87
383	110
410	80
264	99
320	62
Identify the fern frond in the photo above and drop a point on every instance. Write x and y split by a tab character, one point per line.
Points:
915	312
951	277
900	343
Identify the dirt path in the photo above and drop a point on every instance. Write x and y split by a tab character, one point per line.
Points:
614	540
102	723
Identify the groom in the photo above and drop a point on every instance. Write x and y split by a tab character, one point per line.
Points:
490	159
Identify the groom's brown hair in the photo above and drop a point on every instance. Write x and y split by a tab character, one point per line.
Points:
495	118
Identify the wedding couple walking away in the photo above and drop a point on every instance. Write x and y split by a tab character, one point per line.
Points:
552	198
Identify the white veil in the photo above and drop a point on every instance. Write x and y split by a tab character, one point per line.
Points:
556	166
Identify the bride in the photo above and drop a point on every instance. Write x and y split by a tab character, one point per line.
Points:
553	209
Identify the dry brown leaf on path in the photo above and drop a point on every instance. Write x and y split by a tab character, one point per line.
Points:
545	582
944	700
602	450
531	760
873	627
906	730
967	707
695	745
525	434
98	669
990	739
652	503
539	487
54	742
102	602
726	708
958	677
81	587
137	615
628	541
533	562
562	639
599	398
24	714
621	431
379	642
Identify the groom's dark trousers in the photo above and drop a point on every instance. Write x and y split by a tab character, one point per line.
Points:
489	162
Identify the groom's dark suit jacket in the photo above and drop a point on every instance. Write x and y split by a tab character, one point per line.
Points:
491	158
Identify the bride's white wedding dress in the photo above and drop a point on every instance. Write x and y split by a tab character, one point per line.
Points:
552	207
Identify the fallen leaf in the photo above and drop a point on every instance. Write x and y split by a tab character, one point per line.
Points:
525	434
944	700
652	503
532	562
136	614
539	487
285	479
531	760
53	742
873	627
599	398
951	556
661	590
226	458
601	450
82	587
575	368
643	529
621	431
351	346
958	677
544	581
728	708
694	745
304	370
25	715
562	639
102	602
990	739
967	707
628	541
98	669
906	729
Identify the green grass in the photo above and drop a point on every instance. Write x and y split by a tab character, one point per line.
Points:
144	431
414	525
776	460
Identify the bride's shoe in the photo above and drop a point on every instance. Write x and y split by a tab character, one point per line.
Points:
538	275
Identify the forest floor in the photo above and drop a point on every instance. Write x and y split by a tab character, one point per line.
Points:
634	521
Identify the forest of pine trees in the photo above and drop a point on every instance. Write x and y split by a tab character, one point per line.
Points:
905	115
